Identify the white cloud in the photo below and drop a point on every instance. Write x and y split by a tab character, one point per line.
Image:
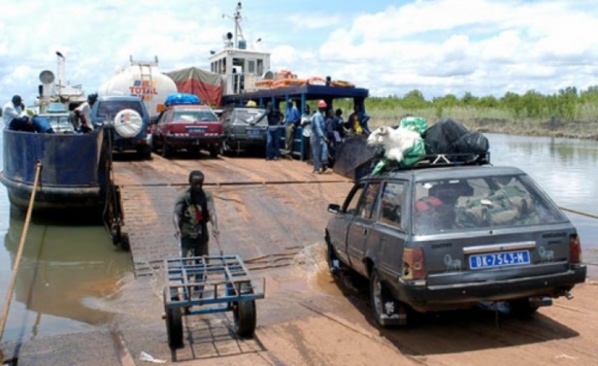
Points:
438	46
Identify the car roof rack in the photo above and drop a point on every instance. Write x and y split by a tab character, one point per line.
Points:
443	160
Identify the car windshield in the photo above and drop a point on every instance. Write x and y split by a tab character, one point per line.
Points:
481	203
249	116
194	116
109	109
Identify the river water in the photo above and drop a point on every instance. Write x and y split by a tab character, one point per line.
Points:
66	269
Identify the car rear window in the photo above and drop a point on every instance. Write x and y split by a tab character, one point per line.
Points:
487	202
196	115
249	116
109	109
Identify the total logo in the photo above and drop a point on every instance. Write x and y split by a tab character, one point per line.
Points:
145	89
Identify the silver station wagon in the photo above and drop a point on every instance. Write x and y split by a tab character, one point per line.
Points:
442	238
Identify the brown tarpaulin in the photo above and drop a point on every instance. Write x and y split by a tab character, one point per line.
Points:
206	85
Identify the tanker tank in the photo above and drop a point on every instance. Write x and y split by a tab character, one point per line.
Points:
143	79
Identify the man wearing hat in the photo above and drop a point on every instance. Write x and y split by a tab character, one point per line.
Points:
15	117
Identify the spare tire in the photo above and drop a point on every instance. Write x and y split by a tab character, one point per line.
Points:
128	123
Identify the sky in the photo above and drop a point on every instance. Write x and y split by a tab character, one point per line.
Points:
439	47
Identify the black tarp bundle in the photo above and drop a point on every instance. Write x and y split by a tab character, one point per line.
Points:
450	137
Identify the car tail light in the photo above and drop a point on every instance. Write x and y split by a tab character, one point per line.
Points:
574	249
413	264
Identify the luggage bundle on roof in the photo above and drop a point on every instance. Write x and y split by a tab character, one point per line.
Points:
181	98
450	137
446	143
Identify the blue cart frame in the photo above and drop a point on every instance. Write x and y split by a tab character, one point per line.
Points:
209	284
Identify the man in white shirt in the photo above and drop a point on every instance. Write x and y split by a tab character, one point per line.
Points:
83	112
15	117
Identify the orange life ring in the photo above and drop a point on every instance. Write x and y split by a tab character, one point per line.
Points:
264	84
297	81
281	83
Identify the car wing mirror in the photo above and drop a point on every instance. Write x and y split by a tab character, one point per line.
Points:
334	208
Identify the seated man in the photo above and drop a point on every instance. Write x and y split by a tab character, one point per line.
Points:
15	117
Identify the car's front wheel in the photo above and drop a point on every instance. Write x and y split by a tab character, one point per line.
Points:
334	263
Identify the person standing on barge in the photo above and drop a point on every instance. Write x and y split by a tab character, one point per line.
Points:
193	209
273	138
292	119
319	150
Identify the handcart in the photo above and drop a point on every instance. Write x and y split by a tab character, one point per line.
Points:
209	284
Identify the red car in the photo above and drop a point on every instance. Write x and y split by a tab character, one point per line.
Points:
187	126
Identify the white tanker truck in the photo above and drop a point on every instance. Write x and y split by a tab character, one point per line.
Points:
143	79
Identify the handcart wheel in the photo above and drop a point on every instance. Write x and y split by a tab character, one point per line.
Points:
244	312
174	324
245	317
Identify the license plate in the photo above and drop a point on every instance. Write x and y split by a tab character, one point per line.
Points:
197	130
502	259
254	133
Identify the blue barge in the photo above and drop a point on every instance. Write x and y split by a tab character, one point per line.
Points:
73	175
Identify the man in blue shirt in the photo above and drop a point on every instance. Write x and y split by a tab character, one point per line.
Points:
319	150
292	121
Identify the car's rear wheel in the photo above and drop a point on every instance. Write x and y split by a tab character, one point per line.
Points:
387	311
165	150
214	150
144	152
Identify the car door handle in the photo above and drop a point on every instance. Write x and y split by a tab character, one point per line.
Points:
365	231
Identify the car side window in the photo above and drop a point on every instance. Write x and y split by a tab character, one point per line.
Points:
391	202
353	200
163	117
368	202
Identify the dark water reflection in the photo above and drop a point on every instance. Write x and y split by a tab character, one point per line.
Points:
64	272
66	269
566	170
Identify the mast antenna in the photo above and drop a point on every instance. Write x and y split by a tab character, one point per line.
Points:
237	18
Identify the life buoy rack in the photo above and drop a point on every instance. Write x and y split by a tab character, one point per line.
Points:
342	84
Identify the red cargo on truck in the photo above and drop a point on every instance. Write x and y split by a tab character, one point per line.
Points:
208	86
